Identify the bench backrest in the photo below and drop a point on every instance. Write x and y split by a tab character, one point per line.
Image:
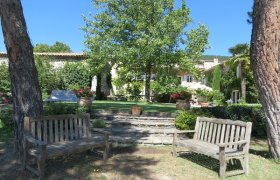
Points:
63	95
57	128
217	131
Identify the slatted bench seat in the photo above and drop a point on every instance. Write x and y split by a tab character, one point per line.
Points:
47	137
221	139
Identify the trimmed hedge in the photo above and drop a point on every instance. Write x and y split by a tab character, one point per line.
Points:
245	113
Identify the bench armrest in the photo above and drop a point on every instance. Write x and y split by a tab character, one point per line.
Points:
233	143
34	141
100	131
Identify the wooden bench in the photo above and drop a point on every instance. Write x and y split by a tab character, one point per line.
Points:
51	136
221	139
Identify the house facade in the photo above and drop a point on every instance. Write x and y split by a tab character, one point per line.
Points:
187	80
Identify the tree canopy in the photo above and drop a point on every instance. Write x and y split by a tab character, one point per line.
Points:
56	47
144	37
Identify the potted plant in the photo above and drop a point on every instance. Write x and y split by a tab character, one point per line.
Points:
135	91
85	95
182	98
204	96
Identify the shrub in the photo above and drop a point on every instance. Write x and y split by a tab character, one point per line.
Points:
185	120
99	123
6	118
75	75
82	109
245	113
60	108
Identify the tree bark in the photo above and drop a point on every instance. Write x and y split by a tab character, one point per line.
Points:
25	89
148	82
265	57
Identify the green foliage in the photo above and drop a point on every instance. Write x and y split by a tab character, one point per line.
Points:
245	113
143	36
75	75
98	123
5	82
60	108
57	47
6	118
135	89
48	76
82	110
185	120
216	81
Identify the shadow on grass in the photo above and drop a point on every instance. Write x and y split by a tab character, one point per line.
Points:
210	163
90	165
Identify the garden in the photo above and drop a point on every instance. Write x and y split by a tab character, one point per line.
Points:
140	101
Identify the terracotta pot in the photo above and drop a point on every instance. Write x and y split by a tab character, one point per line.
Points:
183	104
85	101
136	110
204	104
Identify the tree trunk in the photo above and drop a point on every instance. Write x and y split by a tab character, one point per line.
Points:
148	83
25	89
264	61
243	79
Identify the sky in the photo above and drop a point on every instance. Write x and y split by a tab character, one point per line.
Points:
61	20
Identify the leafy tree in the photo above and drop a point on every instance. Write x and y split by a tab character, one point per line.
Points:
265	65
57	47
60	47
41	48
25	88
216	81
143	37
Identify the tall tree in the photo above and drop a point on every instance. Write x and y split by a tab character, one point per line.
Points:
25	87
241	57
216	82
143	36
265	56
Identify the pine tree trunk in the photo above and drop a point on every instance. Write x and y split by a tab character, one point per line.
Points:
265	48
25	89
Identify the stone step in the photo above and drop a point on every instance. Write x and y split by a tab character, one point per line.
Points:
141	123
141	140
100	112
139	130
133	118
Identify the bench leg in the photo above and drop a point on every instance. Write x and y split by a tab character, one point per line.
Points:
41	168
107	147
223	163
174	145
174	151
245	164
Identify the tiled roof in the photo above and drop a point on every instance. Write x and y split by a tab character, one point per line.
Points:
59	55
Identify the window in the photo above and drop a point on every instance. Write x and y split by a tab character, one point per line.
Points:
187	78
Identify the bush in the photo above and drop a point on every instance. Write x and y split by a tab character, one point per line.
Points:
6	118
75	75
185	120
99	123
245	113
60	108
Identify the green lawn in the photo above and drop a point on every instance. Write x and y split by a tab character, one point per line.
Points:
126	106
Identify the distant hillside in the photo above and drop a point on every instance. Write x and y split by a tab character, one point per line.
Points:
211	57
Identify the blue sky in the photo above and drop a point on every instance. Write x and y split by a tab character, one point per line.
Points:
61	20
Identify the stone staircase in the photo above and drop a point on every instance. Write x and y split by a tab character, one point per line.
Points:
126	128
